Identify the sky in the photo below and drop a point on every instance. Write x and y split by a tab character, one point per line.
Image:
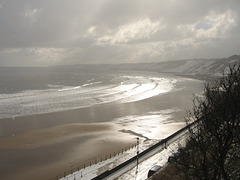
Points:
58	32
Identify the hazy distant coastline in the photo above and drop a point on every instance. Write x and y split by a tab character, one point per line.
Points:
15	79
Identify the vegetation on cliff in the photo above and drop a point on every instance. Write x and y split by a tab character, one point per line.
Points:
213	149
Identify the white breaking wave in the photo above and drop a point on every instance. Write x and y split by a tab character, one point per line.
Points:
121	89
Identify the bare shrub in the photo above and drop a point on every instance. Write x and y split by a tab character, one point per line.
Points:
210	151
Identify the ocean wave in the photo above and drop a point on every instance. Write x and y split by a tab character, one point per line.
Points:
119	89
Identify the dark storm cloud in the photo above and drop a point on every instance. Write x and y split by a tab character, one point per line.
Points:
104	31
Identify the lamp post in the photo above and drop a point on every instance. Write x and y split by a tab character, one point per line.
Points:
137	153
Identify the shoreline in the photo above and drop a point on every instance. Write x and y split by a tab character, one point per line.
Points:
87	115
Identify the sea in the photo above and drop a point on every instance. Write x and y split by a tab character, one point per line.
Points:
134	99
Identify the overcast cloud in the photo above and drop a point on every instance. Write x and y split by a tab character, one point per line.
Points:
53	32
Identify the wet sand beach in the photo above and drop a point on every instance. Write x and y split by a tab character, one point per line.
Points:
46	153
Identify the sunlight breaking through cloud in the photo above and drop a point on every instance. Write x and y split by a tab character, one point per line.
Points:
141	29
212	26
